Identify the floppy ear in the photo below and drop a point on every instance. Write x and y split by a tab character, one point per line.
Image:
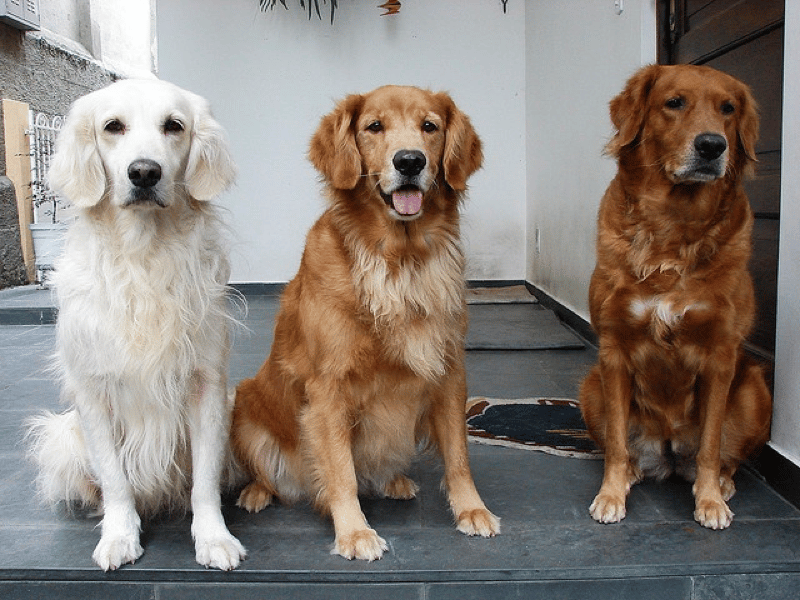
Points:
463	154
210	168
747	129
333	150
76	170
628	109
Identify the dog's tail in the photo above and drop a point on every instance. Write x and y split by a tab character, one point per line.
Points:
56	445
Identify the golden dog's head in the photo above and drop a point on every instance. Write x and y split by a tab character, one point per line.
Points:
141	144
698	124
399	143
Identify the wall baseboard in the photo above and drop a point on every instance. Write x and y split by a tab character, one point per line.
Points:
572	319
275	289
259	289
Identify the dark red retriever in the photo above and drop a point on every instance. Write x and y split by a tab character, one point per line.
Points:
671	298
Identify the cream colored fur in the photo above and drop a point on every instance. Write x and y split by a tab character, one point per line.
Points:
142	332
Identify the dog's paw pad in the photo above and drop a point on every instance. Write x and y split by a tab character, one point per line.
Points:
713	514
254	497
607	509
401	488
224	553
364	545
478	521
113	552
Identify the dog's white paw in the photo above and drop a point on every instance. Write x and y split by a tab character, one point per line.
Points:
365	544
114	551
223	552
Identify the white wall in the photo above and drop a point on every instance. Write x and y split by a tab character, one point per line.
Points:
786	414
580	53
271	76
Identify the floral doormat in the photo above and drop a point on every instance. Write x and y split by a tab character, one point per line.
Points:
552	425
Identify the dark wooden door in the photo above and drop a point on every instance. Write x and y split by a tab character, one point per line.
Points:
744	38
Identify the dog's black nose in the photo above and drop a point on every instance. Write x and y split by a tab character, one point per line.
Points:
710	145
409	162
144	173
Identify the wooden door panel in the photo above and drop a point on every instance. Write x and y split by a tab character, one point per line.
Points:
711	28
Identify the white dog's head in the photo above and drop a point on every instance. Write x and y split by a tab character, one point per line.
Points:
142	143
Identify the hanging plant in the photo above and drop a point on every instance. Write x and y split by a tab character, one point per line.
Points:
392	7
313	5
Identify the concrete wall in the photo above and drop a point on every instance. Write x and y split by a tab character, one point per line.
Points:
271	77
12	264
47	76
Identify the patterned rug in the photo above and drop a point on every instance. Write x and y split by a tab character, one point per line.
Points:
552	425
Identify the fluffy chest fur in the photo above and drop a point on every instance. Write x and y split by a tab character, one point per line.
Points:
136	294
416	307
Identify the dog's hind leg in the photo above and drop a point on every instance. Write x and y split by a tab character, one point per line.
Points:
56	445
401	488
747	422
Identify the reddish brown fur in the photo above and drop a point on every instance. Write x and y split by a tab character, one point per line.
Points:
368	359
671	298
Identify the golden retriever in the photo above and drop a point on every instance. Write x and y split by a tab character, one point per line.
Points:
671	298
142	331
368	356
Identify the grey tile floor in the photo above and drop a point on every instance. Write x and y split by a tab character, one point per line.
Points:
549	548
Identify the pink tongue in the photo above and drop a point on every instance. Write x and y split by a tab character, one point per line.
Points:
407	202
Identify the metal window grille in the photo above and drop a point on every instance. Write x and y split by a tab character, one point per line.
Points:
42	134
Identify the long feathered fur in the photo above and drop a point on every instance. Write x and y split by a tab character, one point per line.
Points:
142	333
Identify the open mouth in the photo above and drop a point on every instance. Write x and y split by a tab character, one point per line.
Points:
405	200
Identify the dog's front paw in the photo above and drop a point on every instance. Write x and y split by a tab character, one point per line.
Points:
364	544
222	552
713	514
114	551
607	508
478	521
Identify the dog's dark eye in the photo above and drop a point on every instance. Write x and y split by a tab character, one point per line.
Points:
429	127
375	127
727	108
114	126
675	103
173	126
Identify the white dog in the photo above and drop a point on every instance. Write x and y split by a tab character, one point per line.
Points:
142	332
